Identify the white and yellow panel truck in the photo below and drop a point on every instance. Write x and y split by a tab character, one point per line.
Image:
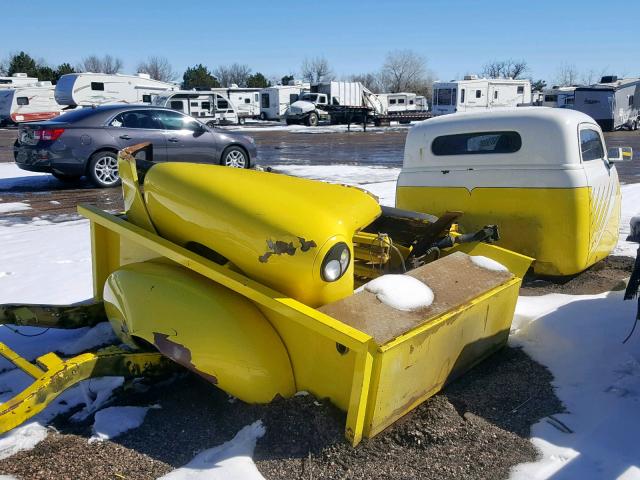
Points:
251	280
543	175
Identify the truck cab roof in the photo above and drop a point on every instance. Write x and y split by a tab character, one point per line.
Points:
528	136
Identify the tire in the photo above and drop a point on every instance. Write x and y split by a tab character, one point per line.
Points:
212	124
312	120
102	170
263	116
634	125
66	178
235	157
241	120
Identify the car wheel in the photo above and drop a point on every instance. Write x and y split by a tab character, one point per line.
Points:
235	157
263	116
211	124
66	178
103	169
241	120
312	120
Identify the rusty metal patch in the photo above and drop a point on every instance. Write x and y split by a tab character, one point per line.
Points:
179	354
280	247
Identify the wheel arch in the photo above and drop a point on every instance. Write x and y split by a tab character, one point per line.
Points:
242	147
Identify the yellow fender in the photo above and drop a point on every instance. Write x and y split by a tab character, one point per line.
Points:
201	325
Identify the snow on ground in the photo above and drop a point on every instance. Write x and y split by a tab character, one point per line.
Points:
113	421
630	209
11	177
579	338
229	461
303	129
11	207
596	376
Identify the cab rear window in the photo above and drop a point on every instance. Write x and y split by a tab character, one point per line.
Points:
477	143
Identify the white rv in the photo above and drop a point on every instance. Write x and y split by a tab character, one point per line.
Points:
274	101
208	106
401	102
559	97
17	80
28	104
86	89
613	103
474	93
246	100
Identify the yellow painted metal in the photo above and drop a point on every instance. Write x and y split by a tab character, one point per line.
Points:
415	366
273	227
134	206
201	325
59	374
565	229
329	358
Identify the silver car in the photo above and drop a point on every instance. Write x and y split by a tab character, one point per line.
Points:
85	142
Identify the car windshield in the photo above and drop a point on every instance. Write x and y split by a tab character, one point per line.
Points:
310	97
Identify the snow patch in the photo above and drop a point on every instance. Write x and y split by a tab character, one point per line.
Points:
113	421
96	393
98	336
629	210
229	461
488	263
21	438
11	207
401	292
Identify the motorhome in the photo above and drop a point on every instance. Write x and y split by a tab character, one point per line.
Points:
208	106
17	80
474	93
274	101
86	89
28	104
400	102
245	99
614	103
559	97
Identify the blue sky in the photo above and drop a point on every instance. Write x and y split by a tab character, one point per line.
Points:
274	37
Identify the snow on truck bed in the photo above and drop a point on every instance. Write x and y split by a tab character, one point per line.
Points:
578	337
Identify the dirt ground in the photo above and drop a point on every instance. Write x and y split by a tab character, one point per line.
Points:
477	428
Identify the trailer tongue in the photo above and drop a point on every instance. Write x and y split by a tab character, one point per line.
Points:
247	278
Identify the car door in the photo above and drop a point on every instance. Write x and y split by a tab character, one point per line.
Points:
187	139
602	179
139	126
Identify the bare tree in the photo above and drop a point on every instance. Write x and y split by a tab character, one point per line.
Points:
157	68
316	70
106	64
404	70
592	76
505	69
230	74
566	75
370	80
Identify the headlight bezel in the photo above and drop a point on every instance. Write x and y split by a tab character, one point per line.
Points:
340	254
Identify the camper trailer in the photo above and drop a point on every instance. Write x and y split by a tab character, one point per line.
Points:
613	103
245	99
274	101
86	89
474	93
208	106
17	80
559	97
28	104
399	102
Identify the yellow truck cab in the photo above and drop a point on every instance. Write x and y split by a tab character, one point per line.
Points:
542	175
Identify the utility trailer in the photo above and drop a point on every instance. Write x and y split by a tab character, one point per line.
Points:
259	300
614	103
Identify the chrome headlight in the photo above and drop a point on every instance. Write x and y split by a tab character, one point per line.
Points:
336	262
